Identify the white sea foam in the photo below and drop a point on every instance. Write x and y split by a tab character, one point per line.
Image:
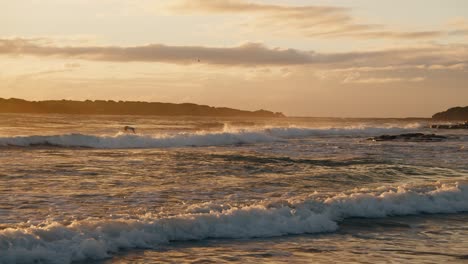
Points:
97	239
225	137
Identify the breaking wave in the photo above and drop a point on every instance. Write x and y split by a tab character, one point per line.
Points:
54	242
226	137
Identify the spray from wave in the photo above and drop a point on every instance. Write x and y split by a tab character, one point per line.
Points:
229	136
96	239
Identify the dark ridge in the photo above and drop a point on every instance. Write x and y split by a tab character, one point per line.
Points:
414	137
109	107
454	114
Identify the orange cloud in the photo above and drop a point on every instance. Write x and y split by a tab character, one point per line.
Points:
247	54
450	57
308	21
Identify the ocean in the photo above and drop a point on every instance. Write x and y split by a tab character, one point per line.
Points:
77	189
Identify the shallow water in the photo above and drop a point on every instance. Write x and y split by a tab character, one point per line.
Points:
410	239
76	189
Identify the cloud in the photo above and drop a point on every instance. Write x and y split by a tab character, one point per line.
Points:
371	34
47	72
456	67
348	73
451	57
459	26
72	65
246	54
356	77
38	74
381	80
230	6
308	21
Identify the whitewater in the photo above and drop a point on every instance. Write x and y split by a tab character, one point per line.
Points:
76	189
227	136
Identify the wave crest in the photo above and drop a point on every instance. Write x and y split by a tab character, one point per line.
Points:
97	239
226	137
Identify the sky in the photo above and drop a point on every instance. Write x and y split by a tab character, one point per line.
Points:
328	58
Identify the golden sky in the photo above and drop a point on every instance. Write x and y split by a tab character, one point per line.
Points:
360	58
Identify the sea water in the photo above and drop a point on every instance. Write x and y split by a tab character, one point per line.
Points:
76	189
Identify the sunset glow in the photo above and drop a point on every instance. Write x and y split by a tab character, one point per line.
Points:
361	58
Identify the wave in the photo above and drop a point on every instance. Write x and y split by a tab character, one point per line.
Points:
137	141
297	132
55	242
225	137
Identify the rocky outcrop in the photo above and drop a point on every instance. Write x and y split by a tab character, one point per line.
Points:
451	126
455	113
415	137
102	107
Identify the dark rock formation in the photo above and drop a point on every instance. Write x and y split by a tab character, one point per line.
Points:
455	113
451	126
102	107
415	137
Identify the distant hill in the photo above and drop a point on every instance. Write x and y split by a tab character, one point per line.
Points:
455	113
101	107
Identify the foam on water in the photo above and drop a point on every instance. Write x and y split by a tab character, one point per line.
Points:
225	137
96	239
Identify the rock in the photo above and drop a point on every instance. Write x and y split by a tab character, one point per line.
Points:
450	126
416	137
454	113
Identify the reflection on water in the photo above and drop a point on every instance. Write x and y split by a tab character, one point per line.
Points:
222	183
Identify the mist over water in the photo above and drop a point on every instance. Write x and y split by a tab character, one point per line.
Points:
79	189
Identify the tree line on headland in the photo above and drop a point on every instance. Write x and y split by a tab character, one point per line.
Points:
109	107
